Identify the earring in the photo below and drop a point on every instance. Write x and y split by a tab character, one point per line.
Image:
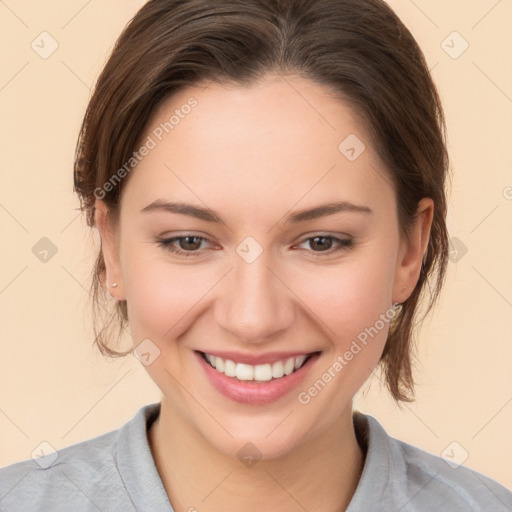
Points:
113	285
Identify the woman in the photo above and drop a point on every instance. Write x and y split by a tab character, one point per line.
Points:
267	178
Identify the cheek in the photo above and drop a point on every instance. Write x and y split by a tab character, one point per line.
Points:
345	299
348	297
159	294
351	303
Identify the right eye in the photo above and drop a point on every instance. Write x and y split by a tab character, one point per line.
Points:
188	244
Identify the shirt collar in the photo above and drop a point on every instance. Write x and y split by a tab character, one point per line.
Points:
374	441
136	464
145	488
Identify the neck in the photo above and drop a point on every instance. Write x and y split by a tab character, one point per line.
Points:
321	474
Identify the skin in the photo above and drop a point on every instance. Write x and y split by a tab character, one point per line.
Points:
255	155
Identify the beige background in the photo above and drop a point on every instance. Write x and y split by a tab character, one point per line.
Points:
54	387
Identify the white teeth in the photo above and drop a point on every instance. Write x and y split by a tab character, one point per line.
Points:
219	364
229	368
299	361
277	370
244	371
260	372
263	372
289	366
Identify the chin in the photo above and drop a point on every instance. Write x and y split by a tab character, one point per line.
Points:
253	449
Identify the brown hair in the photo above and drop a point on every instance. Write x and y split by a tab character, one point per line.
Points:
357	48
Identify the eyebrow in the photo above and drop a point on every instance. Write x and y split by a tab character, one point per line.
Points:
212	216
209	215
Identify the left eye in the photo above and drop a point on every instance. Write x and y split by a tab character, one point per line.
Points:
319	241
189	244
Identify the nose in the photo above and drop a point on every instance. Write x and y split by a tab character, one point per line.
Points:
255	305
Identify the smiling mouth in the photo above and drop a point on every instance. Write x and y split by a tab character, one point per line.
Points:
260	372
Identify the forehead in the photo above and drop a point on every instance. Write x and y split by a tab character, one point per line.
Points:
268	145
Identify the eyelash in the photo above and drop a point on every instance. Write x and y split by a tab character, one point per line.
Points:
167	243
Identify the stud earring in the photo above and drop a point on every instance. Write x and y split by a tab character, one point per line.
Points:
113	285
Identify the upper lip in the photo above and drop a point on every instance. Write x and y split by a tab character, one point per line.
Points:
252	359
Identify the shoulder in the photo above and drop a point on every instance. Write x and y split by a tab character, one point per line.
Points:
90	475
70	473
444	480
409	477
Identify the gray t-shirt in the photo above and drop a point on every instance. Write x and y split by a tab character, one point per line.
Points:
116	472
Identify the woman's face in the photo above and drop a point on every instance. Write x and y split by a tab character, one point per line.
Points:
268	281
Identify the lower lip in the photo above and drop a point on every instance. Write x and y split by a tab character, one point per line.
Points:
251	392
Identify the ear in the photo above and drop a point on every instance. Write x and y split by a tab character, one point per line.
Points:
109	249
411	252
